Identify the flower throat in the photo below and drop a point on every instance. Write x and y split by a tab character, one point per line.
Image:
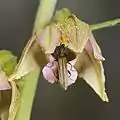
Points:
63	55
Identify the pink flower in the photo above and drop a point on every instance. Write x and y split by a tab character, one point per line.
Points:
72	51
7	64
60	68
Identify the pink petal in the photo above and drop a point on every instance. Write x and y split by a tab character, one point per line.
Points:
49	72
92	46
72	62
4	84
73	73
88	46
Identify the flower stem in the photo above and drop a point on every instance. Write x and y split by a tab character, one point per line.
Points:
110	23
27	92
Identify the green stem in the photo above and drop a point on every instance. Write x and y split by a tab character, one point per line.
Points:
110	23
28	89
27	95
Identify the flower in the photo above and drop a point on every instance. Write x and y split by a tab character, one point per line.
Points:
72	51
4	85
7	64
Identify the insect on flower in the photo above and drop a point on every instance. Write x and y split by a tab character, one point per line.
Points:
61	69
72	51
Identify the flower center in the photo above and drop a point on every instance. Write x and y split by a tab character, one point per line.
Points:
64	40
62	51
63	55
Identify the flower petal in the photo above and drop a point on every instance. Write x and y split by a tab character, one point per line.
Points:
93	73
49	72
4	84
66	72
79	61
92	46
32	58
77	31
49	38
72	73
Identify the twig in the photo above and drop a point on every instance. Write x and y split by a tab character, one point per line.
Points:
110	23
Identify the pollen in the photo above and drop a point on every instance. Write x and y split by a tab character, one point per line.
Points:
64	40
